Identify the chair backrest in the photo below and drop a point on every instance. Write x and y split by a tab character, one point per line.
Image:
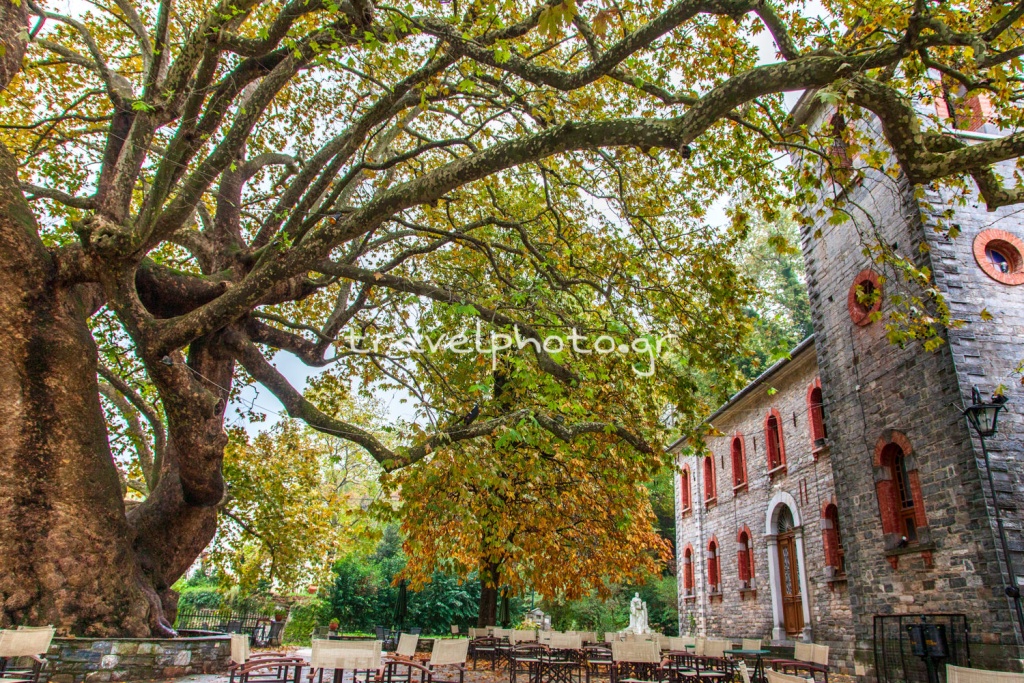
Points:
716	647
565	641
502	633
803	651
776	677
588	637
407	644
700	646
455	629
31	642
742	668
751	644
819	654
239	648
379	630
641	652
416	630
477	632
345	654
449	651
523	636
961	674
677	644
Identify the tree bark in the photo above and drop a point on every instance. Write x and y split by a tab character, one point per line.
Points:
488	612
67	558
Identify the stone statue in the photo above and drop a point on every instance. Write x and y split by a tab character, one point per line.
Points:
638	616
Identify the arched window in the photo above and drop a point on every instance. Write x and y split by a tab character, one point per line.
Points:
688	570
835	557
816	416
685	500
840	162
745	558
773	441
709	480
739	463
899	490
714	568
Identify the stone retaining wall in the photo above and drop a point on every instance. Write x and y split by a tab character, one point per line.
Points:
99	660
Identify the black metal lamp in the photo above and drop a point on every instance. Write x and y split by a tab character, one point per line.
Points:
984	416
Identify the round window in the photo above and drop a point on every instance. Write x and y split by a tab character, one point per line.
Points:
1001	255
865	297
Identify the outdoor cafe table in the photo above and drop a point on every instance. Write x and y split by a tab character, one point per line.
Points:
756	655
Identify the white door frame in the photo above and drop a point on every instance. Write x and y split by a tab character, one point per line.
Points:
771	532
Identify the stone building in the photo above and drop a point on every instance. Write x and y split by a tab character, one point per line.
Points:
845	482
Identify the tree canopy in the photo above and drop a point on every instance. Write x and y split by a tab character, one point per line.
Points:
194	186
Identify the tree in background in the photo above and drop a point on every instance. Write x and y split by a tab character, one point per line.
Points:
521	510
295	501
215	181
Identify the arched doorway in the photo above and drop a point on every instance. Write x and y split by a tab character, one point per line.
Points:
787	573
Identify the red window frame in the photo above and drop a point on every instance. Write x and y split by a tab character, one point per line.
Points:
710	490
816	414
738	454
714	567
685	490
775	445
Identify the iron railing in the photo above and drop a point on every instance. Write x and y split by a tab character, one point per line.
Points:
915	648
219	620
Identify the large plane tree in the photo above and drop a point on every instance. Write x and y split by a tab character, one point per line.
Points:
188	187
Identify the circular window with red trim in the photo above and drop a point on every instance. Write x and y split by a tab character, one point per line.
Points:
1001	255
865	297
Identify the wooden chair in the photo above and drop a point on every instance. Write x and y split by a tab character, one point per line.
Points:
523	659
449	653
361	657
486	647
455	630
23	653
962	674
806	657
636	662
597	660
777	677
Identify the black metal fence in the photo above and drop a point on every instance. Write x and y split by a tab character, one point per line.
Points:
915	648
219	620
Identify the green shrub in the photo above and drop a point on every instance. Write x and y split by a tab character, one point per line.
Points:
199	597
304	618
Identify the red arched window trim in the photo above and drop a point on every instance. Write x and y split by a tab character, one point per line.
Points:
738	452
835	557
816	416
775	445
688	570
745	557
685	488
710	493
898	488
714	567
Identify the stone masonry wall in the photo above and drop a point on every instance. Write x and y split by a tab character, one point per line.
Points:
806	484
874	389
95	660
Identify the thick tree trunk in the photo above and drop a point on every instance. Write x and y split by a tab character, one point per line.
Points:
488	613
66	545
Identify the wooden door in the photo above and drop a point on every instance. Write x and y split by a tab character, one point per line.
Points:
789	577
